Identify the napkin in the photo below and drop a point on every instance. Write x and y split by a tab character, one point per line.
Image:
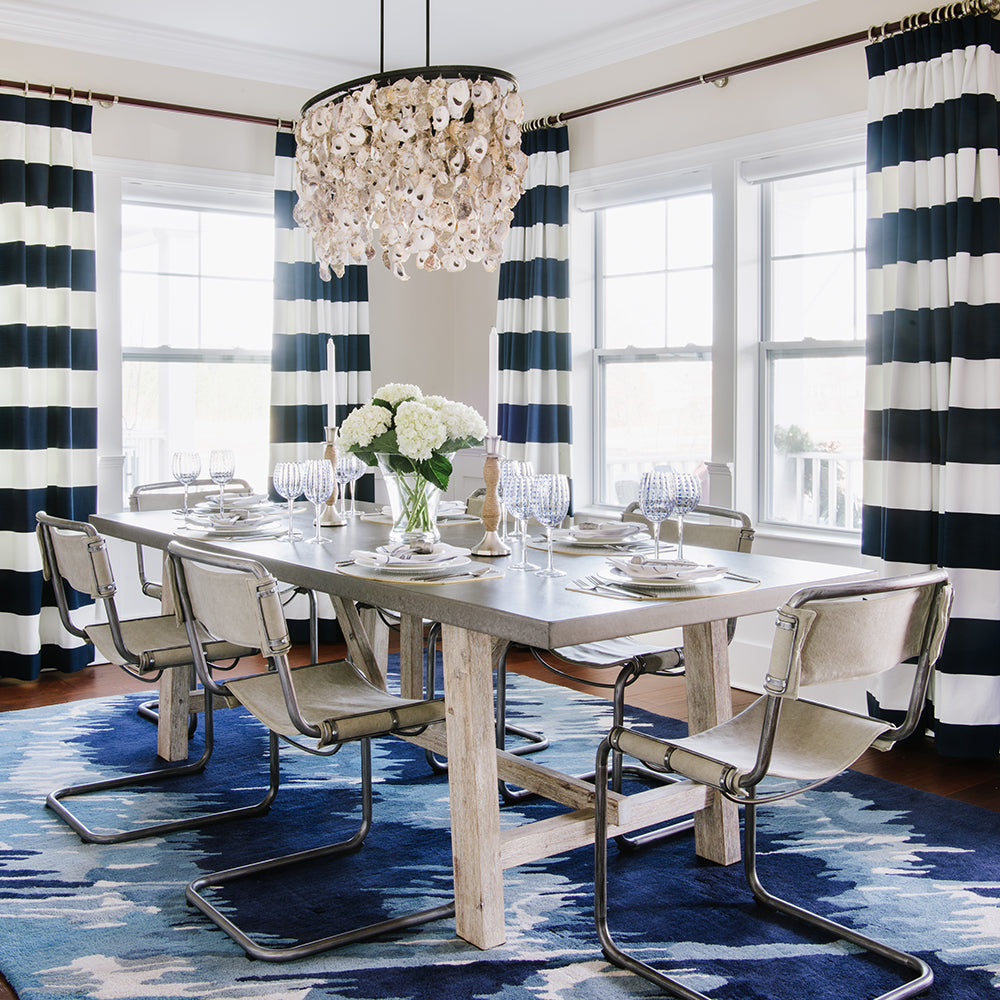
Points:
404	556
231	519
642	568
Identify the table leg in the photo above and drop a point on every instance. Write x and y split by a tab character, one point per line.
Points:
472	787
411	656
173	707
706	659
378	635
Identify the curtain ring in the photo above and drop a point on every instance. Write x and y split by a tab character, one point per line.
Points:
109	104
25	88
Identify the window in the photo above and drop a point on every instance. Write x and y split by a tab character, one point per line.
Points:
812	348
652	335
196	321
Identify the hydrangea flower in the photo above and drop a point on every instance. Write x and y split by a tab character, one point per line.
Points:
363	425
395	392
419	430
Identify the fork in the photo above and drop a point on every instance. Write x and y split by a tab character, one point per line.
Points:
596	585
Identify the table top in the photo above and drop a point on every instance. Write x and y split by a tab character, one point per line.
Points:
521	607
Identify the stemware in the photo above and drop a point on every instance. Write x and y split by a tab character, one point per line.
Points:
550	505
342	474
688	497
287	480
357	467
511	467
517	500
317	484
186	467
221	466
657	501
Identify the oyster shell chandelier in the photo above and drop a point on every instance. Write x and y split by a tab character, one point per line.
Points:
425	162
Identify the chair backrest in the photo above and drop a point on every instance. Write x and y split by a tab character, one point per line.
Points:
165	496
736	536
858	630
74	553
232	598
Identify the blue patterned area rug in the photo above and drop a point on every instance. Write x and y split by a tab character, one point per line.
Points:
111	923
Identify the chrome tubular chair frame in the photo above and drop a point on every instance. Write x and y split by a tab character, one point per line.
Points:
291	702
59	535
767	746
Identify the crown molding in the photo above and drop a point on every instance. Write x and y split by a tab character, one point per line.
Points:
684	21
40	23
44	24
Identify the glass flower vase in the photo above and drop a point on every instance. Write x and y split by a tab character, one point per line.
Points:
413	502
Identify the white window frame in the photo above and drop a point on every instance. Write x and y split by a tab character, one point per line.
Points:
114	179
733	167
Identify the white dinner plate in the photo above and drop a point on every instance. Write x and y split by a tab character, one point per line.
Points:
415	571
564	536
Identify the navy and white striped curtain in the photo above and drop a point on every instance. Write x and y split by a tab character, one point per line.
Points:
932	434
534	417
320	356
48	365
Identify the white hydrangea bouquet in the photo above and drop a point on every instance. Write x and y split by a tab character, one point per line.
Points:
412	438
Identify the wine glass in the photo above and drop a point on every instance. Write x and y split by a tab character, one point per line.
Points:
550	505
688	497
185	466
517	499
221	466
342	474
657	501
512	467
287	480
317	484
357	467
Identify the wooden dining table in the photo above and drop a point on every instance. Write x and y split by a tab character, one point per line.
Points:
479	617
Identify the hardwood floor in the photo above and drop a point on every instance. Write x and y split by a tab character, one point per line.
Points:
914	764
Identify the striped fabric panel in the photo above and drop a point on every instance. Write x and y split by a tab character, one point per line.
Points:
534	414
932	420
320	356
48	381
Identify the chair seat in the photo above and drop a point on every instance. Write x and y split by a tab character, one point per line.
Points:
336	697
163	642
797	755
615	652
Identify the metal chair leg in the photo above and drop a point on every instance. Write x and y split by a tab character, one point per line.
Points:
150	711
269	953
614	954
54	799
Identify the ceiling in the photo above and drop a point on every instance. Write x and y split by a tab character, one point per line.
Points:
315	43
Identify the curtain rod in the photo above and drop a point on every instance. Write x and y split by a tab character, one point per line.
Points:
110	100
720	77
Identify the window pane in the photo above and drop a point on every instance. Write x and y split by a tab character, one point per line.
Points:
232	312
633	238
159	239
689	308
813	297
689	231
813	213
815	440
194	406
237	246
159	310
634	311
655	414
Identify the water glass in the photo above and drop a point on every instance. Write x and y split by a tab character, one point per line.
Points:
342	474
287	480
186	467
517	500
550	505
221	466
657	501
688	497
317	484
